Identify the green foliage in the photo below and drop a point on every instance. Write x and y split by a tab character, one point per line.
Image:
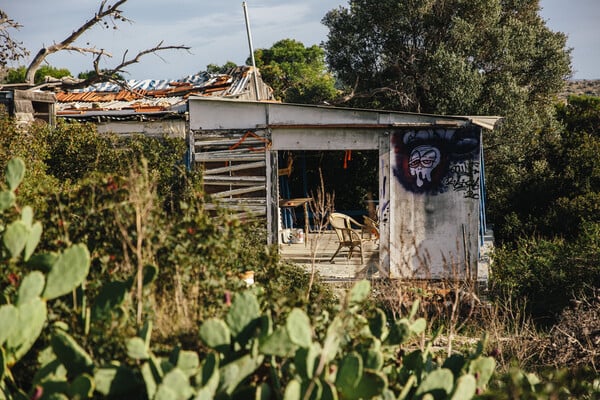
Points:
77	151
296	73
341	363
69	271
245	354
549	223
455	57
285	287
17	75
561	191
220	69
15	171
206	254
580	114
24	313
90	75
548	273
70	354
32	147
554	384
185	248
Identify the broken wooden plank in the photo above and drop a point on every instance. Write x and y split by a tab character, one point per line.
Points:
237	167
218	180
228	156
235	192
228	143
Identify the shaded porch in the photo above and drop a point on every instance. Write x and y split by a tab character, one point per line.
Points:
317	250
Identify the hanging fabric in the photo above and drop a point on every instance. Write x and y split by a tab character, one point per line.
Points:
347	157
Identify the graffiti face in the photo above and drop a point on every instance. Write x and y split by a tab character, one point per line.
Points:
434	161
422	161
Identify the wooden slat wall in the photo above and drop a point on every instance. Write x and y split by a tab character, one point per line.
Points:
234	169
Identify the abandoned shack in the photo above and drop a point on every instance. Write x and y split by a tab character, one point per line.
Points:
420	208
427	219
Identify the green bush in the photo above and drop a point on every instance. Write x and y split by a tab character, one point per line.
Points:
29	143
76	151
63	155
548	223
32	279
198	255
56	320
286	286
561	189
549	384
17	75
548	273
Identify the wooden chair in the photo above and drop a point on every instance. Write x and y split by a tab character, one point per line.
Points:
370	229
348	237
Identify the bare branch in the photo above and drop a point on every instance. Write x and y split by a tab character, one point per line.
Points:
10	50
350	95
111	75
404	98
90	50
112	12
155	49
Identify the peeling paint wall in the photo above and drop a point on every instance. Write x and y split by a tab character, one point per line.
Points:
173	128
434	202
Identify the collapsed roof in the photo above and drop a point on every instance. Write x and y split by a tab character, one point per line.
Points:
157	99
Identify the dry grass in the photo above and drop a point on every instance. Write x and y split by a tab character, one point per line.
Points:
575	339
453	305
169	323
513	336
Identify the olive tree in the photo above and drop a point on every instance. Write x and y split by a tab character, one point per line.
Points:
461	57
451	56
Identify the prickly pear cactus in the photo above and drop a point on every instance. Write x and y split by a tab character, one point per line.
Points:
24	316
68	272
248	355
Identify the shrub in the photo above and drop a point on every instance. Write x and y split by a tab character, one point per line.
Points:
548	273
76	151
29	143
575	339
243	350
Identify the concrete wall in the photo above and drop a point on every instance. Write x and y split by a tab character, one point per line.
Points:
33	105
433	205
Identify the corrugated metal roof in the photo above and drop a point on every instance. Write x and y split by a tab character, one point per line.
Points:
202	79
153	95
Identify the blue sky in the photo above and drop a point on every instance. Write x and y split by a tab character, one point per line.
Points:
216	31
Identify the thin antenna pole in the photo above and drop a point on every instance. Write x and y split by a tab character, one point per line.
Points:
251	49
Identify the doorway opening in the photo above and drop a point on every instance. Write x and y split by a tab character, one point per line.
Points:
352	177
